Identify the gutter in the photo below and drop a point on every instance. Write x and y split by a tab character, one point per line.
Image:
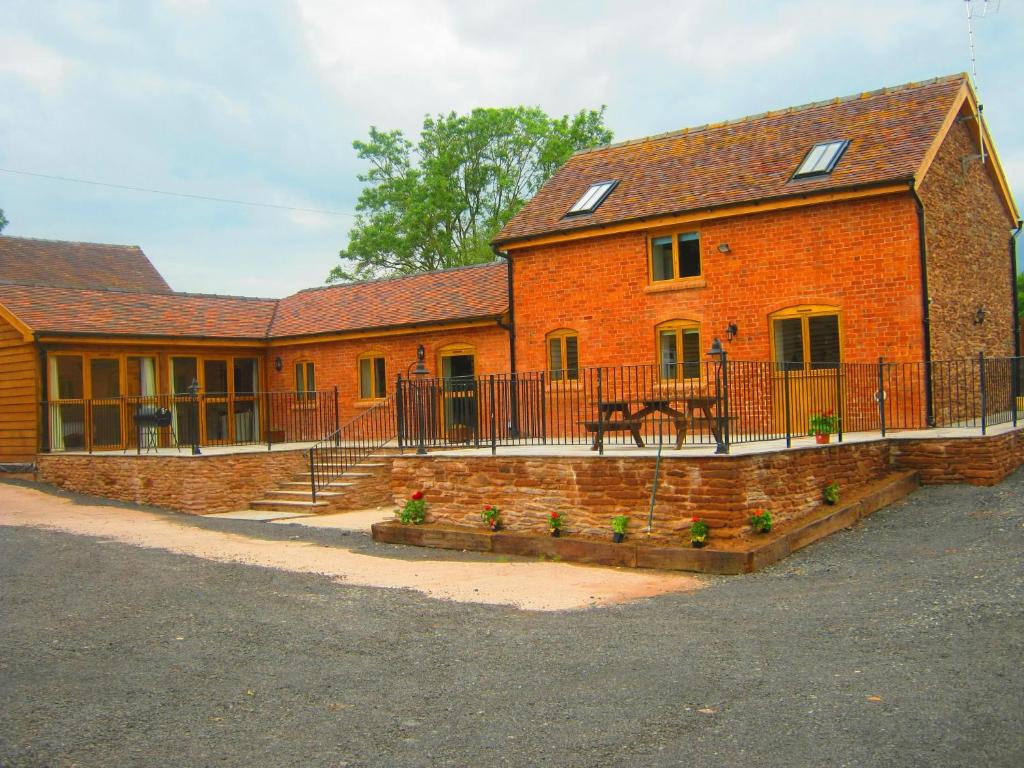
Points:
926	320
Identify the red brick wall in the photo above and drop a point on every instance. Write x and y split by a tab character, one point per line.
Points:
967	232
861	256
336	362
197	485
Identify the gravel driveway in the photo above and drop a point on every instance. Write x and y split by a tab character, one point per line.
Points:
897	643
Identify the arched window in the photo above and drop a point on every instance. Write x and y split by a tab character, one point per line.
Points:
563	355
372	376
679	350
806	337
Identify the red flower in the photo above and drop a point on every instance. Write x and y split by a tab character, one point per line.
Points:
487	507
417	496
695	519
554	515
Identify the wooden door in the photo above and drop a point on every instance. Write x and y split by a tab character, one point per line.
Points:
807	365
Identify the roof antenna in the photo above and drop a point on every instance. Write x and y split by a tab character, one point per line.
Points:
969	4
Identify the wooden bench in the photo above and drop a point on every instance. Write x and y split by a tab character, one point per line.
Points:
619	425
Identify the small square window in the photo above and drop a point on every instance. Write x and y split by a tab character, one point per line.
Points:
372	377
821	159
675	256
592	198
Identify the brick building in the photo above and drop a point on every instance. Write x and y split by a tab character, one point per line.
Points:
841	231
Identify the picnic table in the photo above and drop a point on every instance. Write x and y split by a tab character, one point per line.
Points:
618	416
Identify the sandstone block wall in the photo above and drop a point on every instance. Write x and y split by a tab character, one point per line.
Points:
196	485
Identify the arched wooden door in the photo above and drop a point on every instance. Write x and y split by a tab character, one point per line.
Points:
807	356
458	395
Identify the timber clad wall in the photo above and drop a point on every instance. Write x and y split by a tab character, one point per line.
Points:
968	232
860	256
19	392
336	362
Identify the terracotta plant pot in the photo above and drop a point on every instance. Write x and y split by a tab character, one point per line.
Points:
822	438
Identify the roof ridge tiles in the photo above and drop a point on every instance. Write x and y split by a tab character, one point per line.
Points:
396	278
31	284
781	111
71	242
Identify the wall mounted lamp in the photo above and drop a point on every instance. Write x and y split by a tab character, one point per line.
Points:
724	248
979	316
730	331
278	364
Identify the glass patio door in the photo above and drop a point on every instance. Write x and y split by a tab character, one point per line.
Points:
215	406
184	370
807	356
105	402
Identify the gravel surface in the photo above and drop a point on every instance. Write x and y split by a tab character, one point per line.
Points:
896	643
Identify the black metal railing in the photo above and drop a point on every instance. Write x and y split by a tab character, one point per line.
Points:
351	444
143	423
721	402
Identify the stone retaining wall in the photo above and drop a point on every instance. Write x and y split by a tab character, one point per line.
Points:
196	485
722	490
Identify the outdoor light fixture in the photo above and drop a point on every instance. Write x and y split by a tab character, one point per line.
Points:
721	396
278	364
193	390
730	331
979	316
716	348
420	369
724	248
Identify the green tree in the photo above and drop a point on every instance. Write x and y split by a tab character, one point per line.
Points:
3	220
1020	293
438	203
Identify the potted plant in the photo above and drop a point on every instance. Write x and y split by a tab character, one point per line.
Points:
619	524
555	523
823	425
831	493
761	521
698	533
415	510
489	515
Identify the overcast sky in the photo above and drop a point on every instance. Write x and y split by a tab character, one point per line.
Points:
260	101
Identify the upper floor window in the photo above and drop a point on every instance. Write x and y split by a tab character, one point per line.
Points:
305	380
821	159
372	376
675	256
679	351
806	338
563	355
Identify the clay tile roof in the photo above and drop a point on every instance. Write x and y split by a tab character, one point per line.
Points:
464	293
50	309
745	160
78	265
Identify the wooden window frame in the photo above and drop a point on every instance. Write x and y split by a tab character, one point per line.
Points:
560	336
804	312
375	396
678	326
674	234
307	365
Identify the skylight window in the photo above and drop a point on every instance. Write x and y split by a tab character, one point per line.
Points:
821	159
592	198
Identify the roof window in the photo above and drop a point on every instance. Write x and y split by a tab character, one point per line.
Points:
592	198
821	159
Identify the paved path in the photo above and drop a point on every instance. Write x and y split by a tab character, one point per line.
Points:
898	643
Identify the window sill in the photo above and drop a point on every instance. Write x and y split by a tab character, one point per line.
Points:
663	286
369	403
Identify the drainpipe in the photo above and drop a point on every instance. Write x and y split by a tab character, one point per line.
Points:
511	311
511	328
1013	286
925	306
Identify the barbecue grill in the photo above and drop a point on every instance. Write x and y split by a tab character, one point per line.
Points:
149	420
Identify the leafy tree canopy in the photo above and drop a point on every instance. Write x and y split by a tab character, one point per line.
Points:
1020	293
3	220
438	203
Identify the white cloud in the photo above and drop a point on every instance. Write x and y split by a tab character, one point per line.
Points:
36	64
